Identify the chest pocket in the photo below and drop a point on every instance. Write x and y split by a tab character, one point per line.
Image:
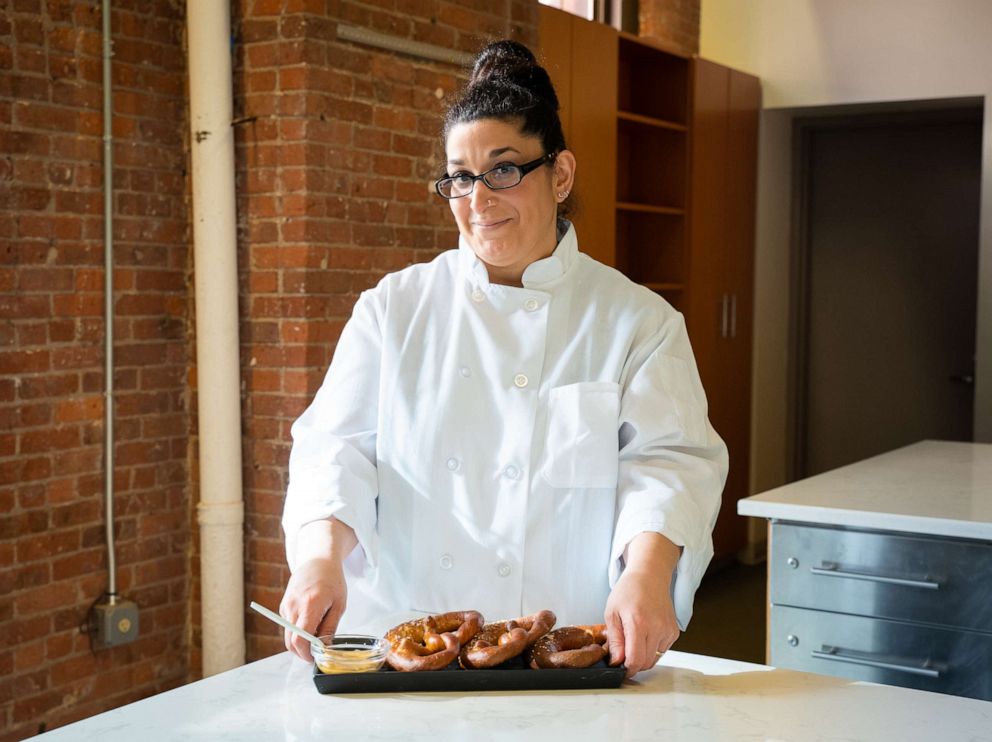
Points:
582	448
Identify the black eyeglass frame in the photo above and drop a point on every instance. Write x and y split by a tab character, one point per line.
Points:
527	167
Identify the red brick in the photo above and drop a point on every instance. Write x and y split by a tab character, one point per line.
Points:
77	513
28	656
23	306
34	333
79	563
34	707
76	357
24	361
62	331
57	646
42	599
263	282
78	305
394	166
24	523
48	386
78	409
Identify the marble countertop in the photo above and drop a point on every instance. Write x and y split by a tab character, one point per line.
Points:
938	488
686	697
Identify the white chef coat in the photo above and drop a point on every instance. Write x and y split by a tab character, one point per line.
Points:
496	448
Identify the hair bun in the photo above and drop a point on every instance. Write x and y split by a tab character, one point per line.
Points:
511	62
502	59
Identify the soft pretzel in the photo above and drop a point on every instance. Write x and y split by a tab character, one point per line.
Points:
569	646
504	640
431	643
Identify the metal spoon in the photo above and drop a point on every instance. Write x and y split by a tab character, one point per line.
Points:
314	641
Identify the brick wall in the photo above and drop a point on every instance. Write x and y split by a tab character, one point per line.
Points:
333	183
52	553
674	23
334	161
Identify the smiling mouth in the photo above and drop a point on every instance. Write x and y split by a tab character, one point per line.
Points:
490	225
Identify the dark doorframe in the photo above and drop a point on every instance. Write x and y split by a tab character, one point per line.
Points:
804	127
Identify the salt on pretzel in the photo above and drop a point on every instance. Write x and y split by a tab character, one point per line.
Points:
431	643
569	646
504	640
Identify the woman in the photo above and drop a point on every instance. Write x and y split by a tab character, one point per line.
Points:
512	426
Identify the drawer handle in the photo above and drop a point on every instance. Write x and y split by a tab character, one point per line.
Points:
836	654
831	570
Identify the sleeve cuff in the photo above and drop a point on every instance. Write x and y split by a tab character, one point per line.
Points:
310	500
696	556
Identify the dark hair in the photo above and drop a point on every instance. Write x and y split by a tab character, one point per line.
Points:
508	84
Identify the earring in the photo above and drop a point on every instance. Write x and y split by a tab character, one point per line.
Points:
563	195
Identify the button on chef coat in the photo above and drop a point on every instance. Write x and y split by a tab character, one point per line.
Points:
609	433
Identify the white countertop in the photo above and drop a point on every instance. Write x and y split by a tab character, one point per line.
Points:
936	488
688	697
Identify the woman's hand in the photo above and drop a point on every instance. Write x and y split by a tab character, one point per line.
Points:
317	593
640	617
314	600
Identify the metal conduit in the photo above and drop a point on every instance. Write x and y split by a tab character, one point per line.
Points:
403	46
108	305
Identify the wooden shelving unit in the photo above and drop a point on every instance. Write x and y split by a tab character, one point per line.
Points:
666	147
652	121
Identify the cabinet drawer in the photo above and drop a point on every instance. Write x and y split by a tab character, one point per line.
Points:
937	581
880	651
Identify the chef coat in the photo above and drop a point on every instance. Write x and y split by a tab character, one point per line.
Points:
497	447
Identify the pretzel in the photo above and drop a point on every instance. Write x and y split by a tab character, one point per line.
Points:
431	643
569	646
504	640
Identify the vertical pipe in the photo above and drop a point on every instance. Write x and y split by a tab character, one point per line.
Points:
108	305
220	512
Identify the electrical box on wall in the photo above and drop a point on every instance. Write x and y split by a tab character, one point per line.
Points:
114	623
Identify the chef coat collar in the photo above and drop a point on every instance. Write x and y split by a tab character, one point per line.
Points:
540	274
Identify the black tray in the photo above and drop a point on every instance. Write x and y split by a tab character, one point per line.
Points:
511	675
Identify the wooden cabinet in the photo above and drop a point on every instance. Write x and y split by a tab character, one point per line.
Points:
720	293
666	147
581	58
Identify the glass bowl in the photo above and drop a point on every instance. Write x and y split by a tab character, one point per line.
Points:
350	653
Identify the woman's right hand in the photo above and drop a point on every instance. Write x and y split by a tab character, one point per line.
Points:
317	593
314	600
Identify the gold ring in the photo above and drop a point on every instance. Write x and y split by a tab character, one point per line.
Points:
658	654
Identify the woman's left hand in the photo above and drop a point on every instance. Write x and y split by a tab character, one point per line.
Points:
640	617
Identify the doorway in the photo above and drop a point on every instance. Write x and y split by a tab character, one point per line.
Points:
885	283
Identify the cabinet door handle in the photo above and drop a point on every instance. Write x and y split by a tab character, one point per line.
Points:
836	654
723	315
733	315
831	570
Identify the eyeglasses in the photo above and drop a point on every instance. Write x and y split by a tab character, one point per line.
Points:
504	175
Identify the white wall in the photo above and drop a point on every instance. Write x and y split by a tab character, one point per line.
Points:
829	53
822	52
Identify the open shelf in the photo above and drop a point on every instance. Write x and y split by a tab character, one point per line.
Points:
651	165
653	249
652	82
637	118
663	288
650	209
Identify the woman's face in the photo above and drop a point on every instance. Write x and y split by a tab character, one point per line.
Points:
507	228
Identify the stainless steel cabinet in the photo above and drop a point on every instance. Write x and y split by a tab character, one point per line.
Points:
908	610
